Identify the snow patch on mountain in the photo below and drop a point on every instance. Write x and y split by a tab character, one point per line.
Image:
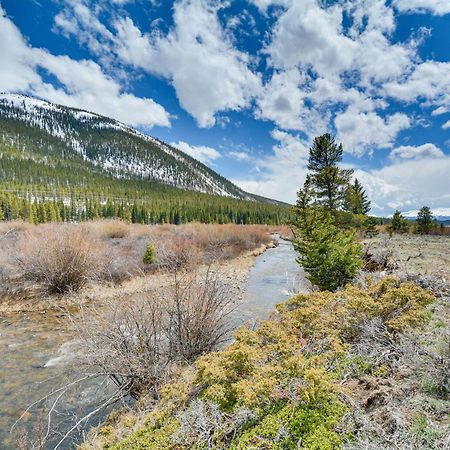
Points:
77	129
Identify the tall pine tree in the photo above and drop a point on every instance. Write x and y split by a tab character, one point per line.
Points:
329	180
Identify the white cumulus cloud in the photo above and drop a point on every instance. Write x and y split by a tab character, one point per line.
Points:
198	57
420	152
82	83
361	131
438	7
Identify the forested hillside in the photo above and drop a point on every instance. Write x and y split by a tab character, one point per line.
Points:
59	163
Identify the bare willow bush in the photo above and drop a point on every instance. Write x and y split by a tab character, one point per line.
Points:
176	253
197	314
61	259
181	247
10	226
138	342
113	229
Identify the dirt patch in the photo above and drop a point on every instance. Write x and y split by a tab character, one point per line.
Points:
416	254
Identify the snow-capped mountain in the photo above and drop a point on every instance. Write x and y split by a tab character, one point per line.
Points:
52	135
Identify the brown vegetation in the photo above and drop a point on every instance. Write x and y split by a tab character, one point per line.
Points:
139	342
113	229
62	258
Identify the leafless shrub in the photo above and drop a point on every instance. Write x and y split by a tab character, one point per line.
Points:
113	229
197	313
127	343
126	257
10	226
376	344
138	342
176	253
60	259
182	247
419	434
204	424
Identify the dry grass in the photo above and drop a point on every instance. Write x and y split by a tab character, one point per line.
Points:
415	254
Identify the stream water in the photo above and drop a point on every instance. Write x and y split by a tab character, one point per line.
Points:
37	355
275	277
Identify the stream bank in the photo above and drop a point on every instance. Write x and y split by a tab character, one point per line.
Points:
39	355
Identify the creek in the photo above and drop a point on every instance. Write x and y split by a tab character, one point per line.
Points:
37	354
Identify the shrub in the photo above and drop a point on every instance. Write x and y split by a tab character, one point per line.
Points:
149	256
176	252
60	259
279	386
114	229
184	246
138	342
291	425
338	316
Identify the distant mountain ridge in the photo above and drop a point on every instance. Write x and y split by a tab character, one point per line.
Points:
442	215
77	140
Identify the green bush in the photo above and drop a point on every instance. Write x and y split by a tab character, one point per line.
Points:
150	255
279	386
291	425
331	256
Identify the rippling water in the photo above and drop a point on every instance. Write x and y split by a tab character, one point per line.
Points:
275	277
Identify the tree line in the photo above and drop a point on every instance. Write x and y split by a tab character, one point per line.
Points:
177	208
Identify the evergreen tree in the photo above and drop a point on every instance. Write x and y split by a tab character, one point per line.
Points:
356	200
329	255
330	182
425	221
398	224
370	227
150	255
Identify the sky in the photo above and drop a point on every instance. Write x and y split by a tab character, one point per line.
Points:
246	85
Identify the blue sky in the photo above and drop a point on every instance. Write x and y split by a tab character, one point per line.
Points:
245	86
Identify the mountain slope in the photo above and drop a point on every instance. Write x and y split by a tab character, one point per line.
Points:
79	145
